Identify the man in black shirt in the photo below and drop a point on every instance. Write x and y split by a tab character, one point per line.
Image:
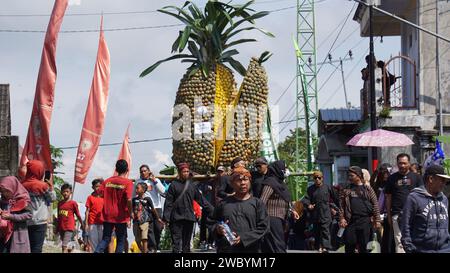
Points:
317	200
178	209
226	189
258	177
245	215
397	189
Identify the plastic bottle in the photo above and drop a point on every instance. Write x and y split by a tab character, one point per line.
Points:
340	232
228	233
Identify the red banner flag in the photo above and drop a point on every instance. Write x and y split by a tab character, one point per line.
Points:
95	112
37	144
125	152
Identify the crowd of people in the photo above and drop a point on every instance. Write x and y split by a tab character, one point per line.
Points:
238	210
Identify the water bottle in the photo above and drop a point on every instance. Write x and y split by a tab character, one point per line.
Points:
340	232
228	234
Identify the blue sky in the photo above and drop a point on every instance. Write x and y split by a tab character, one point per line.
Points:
147	103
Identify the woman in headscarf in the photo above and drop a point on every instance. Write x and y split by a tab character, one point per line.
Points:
41	195
14	213
380	181
275	195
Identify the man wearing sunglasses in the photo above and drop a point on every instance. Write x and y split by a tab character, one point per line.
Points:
317	201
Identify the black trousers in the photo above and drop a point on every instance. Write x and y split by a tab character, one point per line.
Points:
322	235
274	241
181	232
387	240
205	228
358	234
156	232
36	234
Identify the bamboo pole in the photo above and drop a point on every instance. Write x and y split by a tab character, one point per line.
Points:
205	177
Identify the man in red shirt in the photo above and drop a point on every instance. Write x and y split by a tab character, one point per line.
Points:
66	221
117	206
94	217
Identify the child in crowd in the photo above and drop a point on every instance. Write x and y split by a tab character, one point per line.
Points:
94	217
66	221
143	215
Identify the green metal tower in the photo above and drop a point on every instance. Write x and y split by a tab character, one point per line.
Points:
306	92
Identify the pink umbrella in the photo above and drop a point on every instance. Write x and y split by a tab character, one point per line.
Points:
380	138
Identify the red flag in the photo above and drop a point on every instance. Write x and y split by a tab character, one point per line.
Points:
37	144
125	152
95	112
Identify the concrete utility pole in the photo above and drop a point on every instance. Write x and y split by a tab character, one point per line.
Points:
373	113
438	73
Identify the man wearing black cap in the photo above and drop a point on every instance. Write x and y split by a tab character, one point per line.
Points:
424	222
397	188
225	187
262	168
359	209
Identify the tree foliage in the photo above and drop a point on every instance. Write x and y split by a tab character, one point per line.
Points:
287	152
57	155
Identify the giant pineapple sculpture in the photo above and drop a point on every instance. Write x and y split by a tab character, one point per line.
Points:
216	134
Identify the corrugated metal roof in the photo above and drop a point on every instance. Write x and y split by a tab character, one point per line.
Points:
342	115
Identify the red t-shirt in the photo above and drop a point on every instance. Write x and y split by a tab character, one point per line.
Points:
66	212
95	206
116	192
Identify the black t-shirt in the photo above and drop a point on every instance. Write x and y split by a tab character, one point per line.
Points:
359	205
400	186
143	210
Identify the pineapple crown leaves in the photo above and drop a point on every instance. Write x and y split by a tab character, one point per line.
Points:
264	57
208	34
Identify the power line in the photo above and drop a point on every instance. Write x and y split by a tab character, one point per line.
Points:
290	119
337	37
331	32
120	143
285	90
97	30
127	12
82	14
93	30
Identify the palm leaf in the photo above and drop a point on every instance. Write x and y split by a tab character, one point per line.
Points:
194	50
264	57
236	65
177	42
182	19
149	69
241	41
180	11
184	38
229	53
247	19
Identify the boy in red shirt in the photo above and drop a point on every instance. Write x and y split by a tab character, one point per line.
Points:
66	221
94	216
117	206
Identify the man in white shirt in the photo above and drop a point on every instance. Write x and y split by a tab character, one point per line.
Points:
156	192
